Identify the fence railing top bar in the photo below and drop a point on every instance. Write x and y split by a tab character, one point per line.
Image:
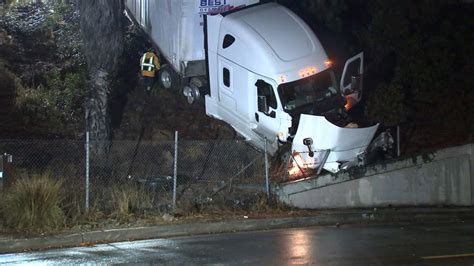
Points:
238	141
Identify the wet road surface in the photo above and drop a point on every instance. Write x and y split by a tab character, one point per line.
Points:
424	244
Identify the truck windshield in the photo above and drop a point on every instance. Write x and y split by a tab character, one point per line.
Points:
310	90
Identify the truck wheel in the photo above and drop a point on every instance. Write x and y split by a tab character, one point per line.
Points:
195	90
168	78
192	93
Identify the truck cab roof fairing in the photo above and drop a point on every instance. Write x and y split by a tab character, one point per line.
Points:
282	45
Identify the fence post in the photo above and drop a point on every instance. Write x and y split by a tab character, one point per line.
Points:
267	182
5	170
2	175
175	168
398	140
87	170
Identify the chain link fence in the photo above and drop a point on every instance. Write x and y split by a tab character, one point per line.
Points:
219	172
160	175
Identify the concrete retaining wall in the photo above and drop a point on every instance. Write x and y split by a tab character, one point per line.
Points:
442	178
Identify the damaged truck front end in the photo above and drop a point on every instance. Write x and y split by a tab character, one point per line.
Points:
323	135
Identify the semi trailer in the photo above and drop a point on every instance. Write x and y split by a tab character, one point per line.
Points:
260	68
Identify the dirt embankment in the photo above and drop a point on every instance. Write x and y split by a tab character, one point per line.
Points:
25	53
40	47
165	112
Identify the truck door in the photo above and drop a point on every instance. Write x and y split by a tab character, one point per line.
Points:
266	114
351	81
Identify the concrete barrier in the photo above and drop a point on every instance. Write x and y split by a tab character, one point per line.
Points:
445	177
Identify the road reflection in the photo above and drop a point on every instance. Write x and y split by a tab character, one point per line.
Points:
300	247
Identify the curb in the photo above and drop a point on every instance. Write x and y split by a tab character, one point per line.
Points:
235	225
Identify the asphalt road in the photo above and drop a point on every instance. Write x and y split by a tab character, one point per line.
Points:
423	244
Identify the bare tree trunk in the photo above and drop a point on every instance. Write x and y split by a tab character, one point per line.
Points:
102	31
97	113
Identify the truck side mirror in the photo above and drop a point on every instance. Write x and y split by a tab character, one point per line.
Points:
262	104
308	142
351	80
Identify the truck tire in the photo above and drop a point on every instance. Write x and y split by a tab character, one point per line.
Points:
168	77
195	90
192	93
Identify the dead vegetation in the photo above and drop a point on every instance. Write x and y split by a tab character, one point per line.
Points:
33	204
38	203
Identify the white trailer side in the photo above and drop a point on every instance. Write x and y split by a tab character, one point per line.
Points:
176	28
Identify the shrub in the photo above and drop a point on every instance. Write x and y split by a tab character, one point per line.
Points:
56	105
387	103
33	204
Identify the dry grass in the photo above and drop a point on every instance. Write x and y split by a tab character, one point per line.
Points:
33	204
74	208
130	200
228	203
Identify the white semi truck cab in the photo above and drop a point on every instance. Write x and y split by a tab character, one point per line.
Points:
267	75
270	78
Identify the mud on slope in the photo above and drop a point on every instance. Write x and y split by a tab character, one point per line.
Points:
164	112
